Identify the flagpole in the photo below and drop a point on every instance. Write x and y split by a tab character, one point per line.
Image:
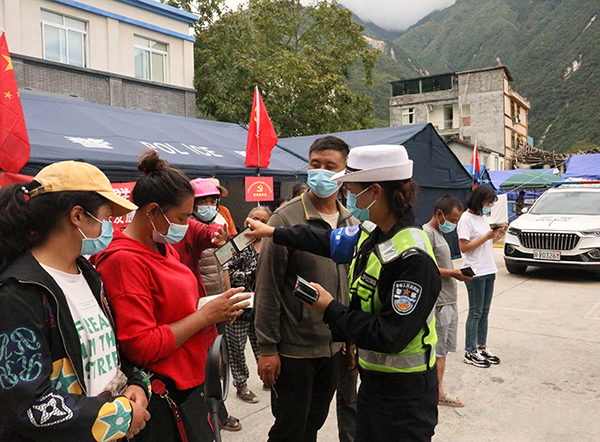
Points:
257	132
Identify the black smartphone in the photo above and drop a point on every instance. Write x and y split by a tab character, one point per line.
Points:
467	271
305	291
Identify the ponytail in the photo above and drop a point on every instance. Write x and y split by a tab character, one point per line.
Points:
26	222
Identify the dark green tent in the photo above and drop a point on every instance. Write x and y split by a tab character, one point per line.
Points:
530	179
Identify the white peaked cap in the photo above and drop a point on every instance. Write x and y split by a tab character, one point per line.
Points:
382	162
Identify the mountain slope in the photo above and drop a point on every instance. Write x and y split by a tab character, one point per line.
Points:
550	47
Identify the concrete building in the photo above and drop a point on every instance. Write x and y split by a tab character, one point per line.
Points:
468	107
136	54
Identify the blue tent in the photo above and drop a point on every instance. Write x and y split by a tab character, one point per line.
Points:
114	138
583	166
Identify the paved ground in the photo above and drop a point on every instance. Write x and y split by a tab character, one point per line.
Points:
545	325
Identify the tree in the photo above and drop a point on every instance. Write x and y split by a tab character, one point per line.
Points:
207	10
300	57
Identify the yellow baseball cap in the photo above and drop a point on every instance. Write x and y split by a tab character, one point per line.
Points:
75	176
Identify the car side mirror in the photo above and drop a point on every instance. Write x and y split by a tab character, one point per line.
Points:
524	210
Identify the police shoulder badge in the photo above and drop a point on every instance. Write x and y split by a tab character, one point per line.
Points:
405	296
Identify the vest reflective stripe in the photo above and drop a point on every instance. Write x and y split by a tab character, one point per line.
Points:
414	357
404	362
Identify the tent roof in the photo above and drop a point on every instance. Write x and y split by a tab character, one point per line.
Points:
583	166
114	138
435	165
530	179
499	176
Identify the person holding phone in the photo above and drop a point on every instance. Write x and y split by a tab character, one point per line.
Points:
476	241
154	298
447	213
394	283
242	273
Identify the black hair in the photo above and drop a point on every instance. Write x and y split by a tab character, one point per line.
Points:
28	221
447	204
299	189
161	183
330	143
478	197
399	195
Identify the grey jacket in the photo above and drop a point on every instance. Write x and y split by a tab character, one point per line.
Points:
283	325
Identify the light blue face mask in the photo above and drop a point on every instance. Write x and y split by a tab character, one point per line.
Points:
485	210
447	226
319	181
175	233
91	246
206	213
360	214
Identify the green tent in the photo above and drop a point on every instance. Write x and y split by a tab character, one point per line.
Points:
530	179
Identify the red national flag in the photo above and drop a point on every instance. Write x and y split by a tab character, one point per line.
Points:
476	171
14	142
261	135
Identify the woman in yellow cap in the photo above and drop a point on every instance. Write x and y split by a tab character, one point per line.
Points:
61	377
394	284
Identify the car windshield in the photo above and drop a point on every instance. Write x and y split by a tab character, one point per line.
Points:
568	203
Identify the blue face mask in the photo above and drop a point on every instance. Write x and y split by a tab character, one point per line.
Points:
361	214
447	226
206	213
319	181
485	210
175	233
91	246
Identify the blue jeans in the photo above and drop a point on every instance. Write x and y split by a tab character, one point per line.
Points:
481	290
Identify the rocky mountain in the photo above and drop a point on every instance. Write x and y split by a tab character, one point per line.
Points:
550	47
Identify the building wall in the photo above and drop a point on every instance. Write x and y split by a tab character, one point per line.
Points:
109	75
109	41
483	92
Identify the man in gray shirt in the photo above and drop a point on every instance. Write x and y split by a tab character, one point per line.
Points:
447	212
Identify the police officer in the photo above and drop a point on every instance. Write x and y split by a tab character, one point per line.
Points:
394	284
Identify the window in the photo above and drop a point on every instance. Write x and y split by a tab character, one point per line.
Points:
64	39
408	115
150	59
496	163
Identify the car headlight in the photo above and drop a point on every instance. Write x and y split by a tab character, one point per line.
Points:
513	231
591	233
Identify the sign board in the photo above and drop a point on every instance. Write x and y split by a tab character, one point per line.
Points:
259	188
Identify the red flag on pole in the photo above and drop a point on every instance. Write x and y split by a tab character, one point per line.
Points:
14	142
476	171
261	135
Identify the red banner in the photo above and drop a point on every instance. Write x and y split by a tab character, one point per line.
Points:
14	142
259	188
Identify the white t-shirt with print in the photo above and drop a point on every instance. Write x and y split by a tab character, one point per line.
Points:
97	338
481	259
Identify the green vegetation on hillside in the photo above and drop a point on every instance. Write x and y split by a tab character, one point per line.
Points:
538	41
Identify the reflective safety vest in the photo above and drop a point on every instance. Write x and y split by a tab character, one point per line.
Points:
419	354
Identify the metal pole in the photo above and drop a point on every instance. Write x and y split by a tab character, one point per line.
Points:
257	131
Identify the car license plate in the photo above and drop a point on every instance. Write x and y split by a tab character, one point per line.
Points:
546	255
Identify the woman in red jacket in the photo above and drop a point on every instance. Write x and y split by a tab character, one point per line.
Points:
154	296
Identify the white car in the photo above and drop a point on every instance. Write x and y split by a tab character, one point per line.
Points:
562	229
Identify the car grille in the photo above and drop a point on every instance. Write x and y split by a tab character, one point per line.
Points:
549	241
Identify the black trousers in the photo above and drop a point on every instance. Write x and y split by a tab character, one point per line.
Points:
301	397
346	399
162	426
397	407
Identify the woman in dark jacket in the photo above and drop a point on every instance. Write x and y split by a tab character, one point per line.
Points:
394	283
61	377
